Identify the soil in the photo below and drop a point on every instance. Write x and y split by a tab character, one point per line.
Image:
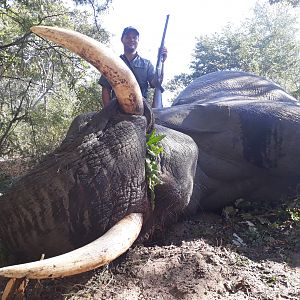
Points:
211	256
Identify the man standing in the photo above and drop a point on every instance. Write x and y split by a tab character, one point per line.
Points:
142	68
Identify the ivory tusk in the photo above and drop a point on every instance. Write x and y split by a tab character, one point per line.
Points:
110	65
100	252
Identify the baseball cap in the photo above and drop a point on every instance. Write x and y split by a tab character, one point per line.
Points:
129	29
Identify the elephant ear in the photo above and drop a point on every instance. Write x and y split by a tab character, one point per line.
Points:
195	118
257	133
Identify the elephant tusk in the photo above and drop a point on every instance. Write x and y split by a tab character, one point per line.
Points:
102	251
110	65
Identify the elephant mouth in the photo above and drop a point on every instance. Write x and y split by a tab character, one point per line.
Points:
122	235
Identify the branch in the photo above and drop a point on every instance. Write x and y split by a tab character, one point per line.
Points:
16	42
22	39
15	118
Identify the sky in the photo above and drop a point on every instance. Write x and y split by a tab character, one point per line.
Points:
188	19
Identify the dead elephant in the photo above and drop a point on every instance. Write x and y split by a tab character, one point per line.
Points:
229	135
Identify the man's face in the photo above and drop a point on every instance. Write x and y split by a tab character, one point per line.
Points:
130	41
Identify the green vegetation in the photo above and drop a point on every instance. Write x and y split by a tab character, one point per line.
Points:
44	86
152	170
265	223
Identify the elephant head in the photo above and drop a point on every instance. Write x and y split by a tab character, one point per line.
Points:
95	183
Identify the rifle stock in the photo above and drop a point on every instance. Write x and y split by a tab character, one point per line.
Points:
157	99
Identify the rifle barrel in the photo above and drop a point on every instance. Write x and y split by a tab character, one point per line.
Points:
157	100
165	30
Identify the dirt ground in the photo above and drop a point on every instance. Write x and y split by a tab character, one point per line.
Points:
234	255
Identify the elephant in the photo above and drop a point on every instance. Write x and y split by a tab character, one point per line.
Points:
245	128
228	135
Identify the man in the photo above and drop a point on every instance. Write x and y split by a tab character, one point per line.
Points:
142	68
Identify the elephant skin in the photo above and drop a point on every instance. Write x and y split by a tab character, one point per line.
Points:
94	179
246	130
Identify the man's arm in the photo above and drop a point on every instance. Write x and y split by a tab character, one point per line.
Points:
106	90
155	82
105	96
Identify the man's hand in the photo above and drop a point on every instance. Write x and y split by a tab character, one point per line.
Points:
159	76
157	81
163	52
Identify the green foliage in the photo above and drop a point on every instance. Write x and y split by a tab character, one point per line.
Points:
152	169
265	44
294	214
88	97
42	86
178	83
292	210
46	126
265	223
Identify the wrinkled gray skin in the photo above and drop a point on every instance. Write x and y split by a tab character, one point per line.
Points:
246	129
94	179
233	135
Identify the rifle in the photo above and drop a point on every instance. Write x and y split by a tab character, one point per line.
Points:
157	99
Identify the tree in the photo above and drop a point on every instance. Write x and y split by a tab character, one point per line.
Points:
37	78
265	44
273	45
178	83
221	51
